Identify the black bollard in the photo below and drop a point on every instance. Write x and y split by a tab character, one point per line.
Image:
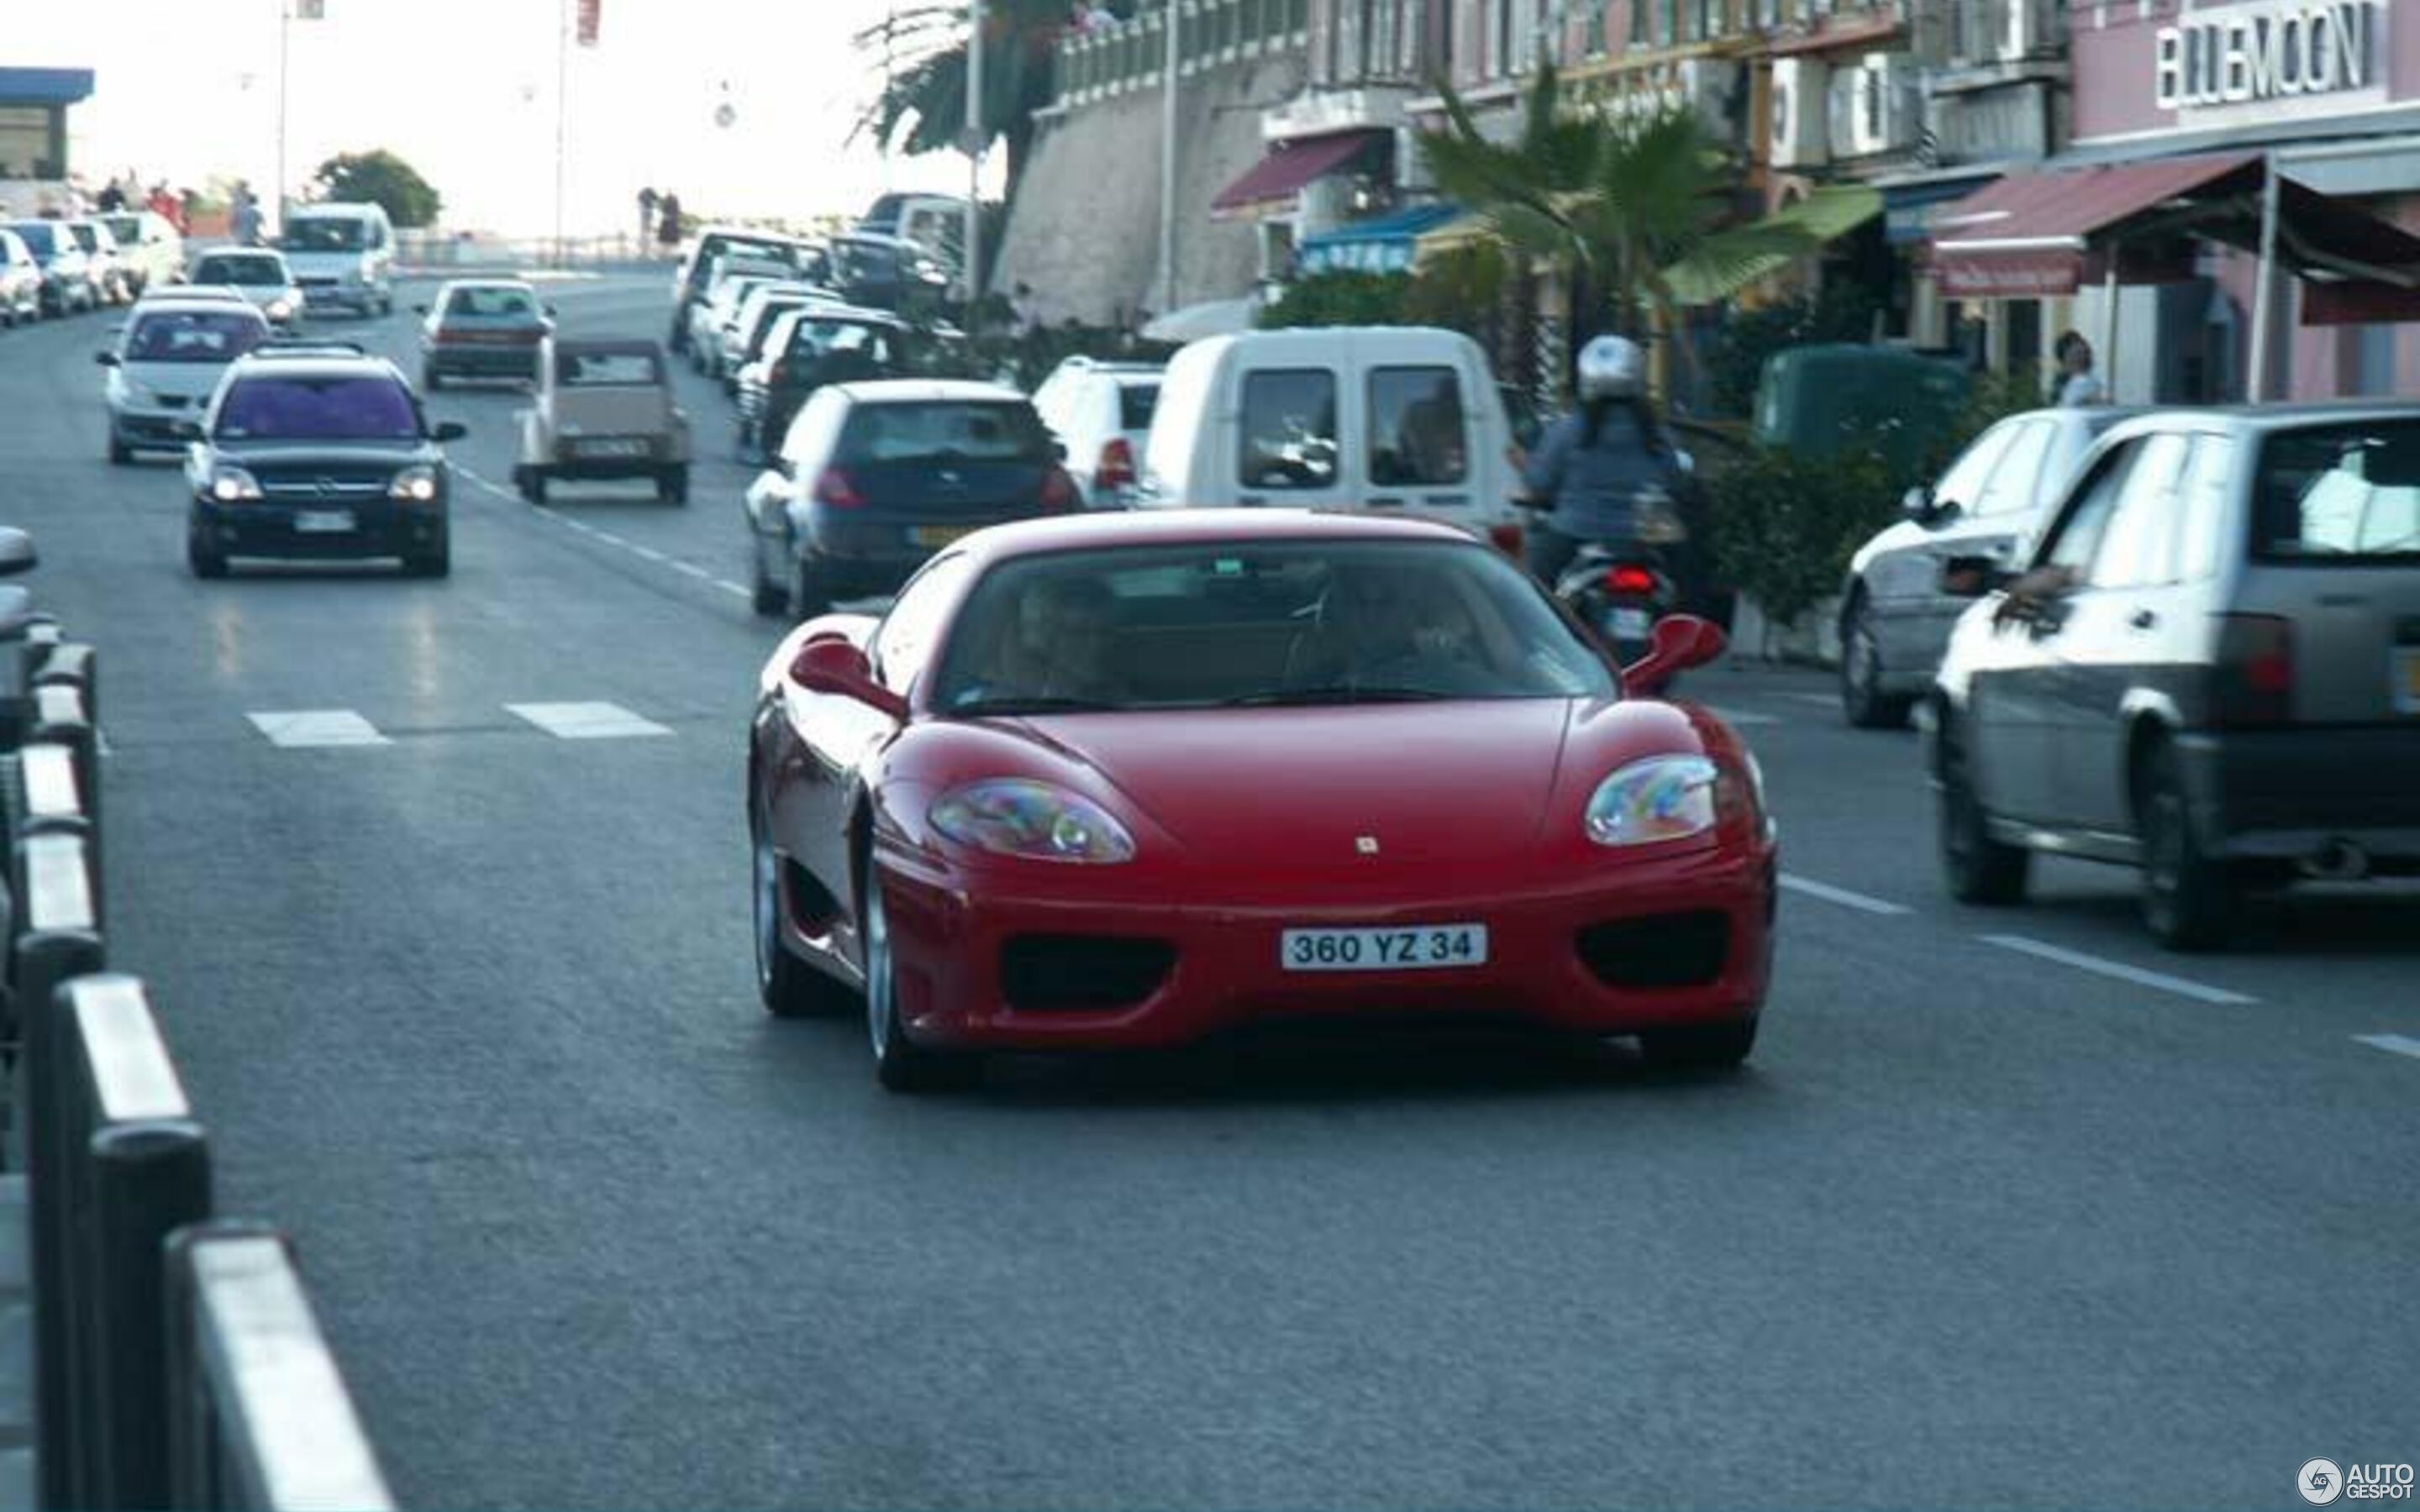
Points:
148	1180
60	946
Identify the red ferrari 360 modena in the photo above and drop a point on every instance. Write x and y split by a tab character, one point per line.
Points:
1126	780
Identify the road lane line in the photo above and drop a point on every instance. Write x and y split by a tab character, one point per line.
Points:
1740	716
586	721
295	729
653	555
2120	971
1825	700
694	570
729	587
2397	1045
1842	896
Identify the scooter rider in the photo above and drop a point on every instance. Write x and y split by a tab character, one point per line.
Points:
1593	464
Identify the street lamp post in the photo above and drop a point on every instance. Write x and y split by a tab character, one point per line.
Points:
285	45
561	119
975	144
1174	59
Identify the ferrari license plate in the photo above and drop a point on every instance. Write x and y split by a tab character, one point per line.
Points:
1630	624
1415	948
322	521
939	534
617	447
2407	679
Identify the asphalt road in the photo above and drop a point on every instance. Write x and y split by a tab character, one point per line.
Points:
469	1010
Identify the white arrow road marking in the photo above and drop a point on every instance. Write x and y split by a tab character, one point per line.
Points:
2397	1045
1842	896
586	721
298	728
2118	970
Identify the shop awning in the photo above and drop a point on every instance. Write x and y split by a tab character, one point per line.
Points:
1290	165
1722	269
2049	233
1386	244
44	86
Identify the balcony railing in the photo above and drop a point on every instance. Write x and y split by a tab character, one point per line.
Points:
1133	54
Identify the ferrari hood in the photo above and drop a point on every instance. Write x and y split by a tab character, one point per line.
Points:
1428	782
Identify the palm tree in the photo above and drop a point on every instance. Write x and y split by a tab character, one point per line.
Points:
923	107
1625	202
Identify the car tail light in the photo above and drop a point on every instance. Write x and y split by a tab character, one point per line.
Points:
834	488
778	374
1508	538
2255	676
1117	467
1630	577
1059	491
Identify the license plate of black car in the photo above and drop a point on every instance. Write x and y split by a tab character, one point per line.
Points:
322	521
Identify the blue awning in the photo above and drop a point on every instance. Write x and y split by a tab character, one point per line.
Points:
44	86
1386	244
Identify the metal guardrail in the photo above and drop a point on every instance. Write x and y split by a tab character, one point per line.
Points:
1133	54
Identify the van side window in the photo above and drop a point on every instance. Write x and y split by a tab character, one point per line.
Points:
1288	435
1417	434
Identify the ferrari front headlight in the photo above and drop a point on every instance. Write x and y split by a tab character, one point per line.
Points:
1662	797
1034	820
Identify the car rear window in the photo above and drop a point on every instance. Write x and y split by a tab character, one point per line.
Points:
607	370
39	236
126	229
943	431
195	336
239	269
324	233
484	303
86	237
332	407
1136	402
2339	493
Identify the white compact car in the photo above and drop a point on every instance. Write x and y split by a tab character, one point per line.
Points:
1101	413
167	364
257	274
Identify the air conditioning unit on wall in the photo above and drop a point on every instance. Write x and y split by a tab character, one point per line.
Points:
1886	105
1800	113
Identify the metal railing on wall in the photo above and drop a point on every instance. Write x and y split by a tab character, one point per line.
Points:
177	1362
1133	54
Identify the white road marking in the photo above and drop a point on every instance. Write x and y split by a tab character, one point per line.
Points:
1827	701
100	744
297	727
1842	896
587	721
733	588
652	554
694	570
2398	1045
2120	971
1740	716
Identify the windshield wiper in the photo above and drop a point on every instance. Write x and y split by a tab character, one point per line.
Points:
1002	709
1334	693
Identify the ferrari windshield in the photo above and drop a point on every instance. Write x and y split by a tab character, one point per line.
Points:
1259	625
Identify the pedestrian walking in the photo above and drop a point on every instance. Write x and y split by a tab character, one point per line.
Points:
646	218
2077	384
243	214
668	225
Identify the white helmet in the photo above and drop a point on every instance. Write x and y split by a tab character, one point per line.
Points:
1612	367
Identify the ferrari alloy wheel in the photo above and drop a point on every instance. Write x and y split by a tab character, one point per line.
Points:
2189	899
1862	699
1978	867
1699	1046
789	987
902	1065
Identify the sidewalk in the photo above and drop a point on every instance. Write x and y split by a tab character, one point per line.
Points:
16	1351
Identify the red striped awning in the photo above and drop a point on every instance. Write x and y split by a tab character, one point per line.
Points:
2027	236
1290	165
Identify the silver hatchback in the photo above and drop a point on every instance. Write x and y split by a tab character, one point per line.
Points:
2211	670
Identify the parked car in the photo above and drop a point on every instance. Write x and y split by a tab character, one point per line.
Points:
887	272
1394	420
1895	620
318	452
809	348
343	255
936	223
800	260
21	281
166	366
872	478
151	250
108	271
259	274
719	308
1051	730
1101	413
68	284
604	410
743	336
482	328
2210	672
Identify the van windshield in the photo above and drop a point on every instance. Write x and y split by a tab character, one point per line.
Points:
325	233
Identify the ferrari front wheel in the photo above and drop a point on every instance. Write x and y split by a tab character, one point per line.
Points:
791	989
900	1063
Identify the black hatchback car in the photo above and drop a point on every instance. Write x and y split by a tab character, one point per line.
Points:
318	453
876	477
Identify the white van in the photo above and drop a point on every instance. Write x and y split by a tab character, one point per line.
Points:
1385	419
343	255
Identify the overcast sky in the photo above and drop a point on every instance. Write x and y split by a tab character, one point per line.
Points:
466	90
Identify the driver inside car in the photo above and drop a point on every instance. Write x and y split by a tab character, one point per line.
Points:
1057	646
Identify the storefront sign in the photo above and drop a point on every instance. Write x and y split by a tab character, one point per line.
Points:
2271	59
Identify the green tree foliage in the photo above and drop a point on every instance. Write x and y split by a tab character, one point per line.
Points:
1617	199
382	178
923	108
1341	297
